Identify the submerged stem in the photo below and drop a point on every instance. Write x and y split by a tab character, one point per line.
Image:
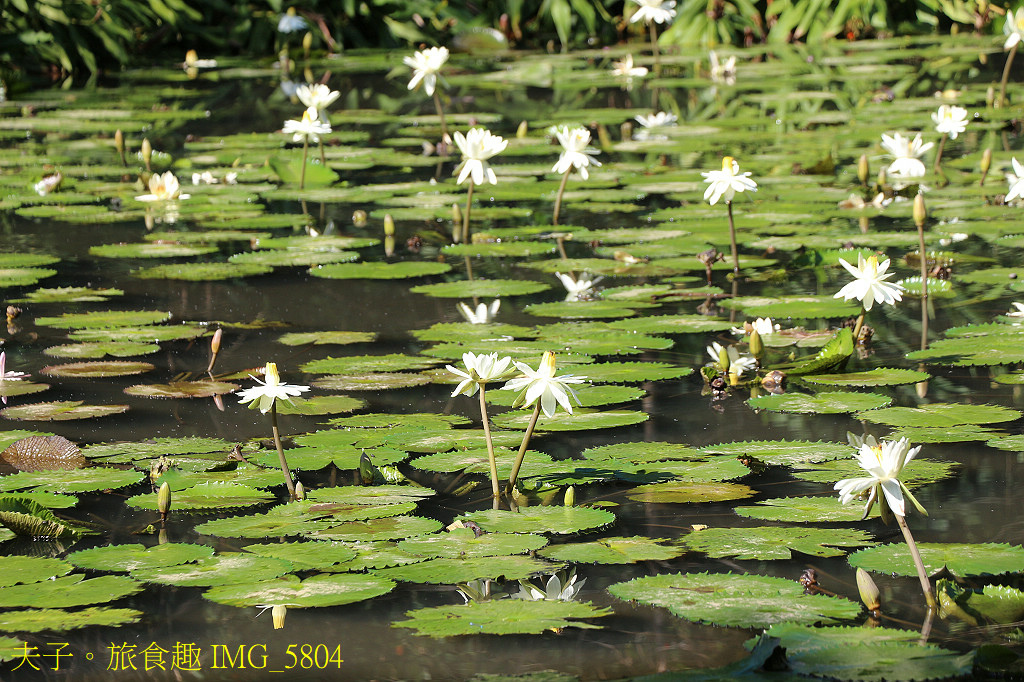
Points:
857	327
924	264
440	114
490	445
654	49
558	199
1001	100
732	241
926	586
280	452
938	154
465	217
305	155
522	447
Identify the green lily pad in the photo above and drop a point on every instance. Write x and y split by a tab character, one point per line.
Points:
11	389
793	307
203	272
580	420
316	591
557	520
59	620
70	590
202	388
942	434
206	496
371	381
104	369
735	600
768	543
823	509
921	472
69	295
104	320
360	364
462	543
123	452
615	550
674	492
23	277
403	270
15	570
324	404
222	569
629	372
481	288
60	411
100	349
306	555
324	338
72	481
25	517
510	249
465	569
585	310
125	558
991	349
781	452
503	617
150	250
391	528
291	173
958	559
941	415
991	604
833	402
674	324
879	376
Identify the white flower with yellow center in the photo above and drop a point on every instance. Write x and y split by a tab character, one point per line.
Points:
725	183
477	146
723	73
425	65
907	155
762	325
309	129
869	285
1015	179
1013	27
270	390
483	314
317	96
576	152
544	386
654	125
885	462
163	187
580	288
480	369
625	68
950	120
658	11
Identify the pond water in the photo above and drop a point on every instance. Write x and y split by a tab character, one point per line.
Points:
798	119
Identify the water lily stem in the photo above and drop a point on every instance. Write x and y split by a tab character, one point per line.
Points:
522	447
305	156
440	114
490	445
938	154
465	216
280	452
924	264
654	50
323	155
732	241
926	586
1001	100
558	199
857	327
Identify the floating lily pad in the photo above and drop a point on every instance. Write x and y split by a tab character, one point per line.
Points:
991	349
735	600
880	376
941	415
69	295
306	555
921	472
629	372
59	620
820	403
316	591
70	590
150	250
510	249
371	381
206	497
403	270
324	338
584	310
10	389
465	569
360	364
122	452
504	617
60	411
990	604
324	404
615	550
823	509
149	334
203	272
958	559
104	320
100	349
43	453
391	528
769	543
943	434
72	481
15	570
108	368
781	452
558	520
463	543
581	419
125	558
794	307
675	324
23	277
23	516
481	288
674	492
203	388
222	569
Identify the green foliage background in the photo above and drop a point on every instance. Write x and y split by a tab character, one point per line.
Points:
54	39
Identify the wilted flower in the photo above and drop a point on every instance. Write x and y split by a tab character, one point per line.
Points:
723	73
1015	179
907	162
885	462
163	188
577	154
317	96
477	146
580	288
9	376
653	125
869	285
658	11
543	385
269	391
950	120
425	65
310	128
481	369
726	182
483	314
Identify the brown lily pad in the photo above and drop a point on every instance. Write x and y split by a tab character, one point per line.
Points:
110	368
43	453
61	410
204	388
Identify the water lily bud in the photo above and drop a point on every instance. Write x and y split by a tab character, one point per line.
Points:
215	341
278	613
882	177
603	137
456	214
191	57
863	169
920	212
365	469
869	593
389	245
359	218
300	491
522	130
723	359
389	225
270	374
990	96
986	160
163	500
119	142
756	345
147	153
570	496
626	131
307	44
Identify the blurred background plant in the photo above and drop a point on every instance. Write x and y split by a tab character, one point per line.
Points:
72	42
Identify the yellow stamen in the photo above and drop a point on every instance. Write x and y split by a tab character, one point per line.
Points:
727	163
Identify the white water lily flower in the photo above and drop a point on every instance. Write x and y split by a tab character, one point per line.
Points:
762	325
9	376
290	22
653	125
950	120
477	146
317	96
543	385
576	154
425	65
483	314
580	288
885	463
738	362
723	73
869	285
309	128
658	11
725	183
625	68
558	587
907	162
204	178
1018	311
270	390
1013	28
480	369
1015	179
163	187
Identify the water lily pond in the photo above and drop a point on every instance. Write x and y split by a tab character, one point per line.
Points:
680	523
